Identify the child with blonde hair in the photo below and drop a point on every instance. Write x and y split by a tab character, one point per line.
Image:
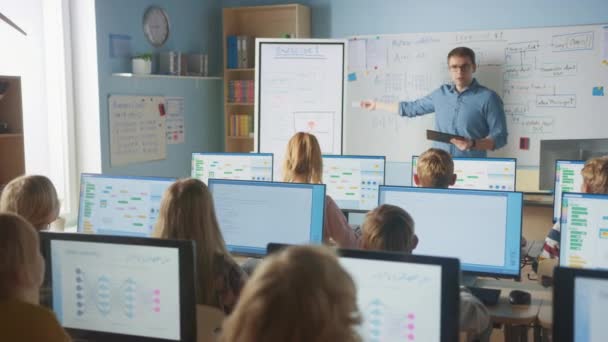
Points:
300	294
390	228
32	197
435	169
595	181
21	275
303	163
187	213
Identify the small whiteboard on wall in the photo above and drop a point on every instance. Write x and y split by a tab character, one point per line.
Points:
299	88
137	129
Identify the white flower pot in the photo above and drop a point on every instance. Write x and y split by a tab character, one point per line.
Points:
141	66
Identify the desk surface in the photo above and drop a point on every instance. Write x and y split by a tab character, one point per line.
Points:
505	313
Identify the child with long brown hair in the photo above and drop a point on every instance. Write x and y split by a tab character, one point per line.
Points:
303	163
187	213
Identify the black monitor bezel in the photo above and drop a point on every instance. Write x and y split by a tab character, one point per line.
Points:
450	276
563	299
187	279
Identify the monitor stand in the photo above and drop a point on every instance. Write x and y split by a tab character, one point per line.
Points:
468	280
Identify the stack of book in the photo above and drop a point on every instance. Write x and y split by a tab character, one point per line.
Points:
240	52
241	125
240	91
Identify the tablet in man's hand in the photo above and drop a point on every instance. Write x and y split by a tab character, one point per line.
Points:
442	137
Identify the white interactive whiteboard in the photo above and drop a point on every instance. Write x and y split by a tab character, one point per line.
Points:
552	82
299	88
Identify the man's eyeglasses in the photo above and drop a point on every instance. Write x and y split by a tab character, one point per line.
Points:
464	67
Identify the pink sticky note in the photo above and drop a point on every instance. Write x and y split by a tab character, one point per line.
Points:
411	326
411	337
156	292
411	316
156	309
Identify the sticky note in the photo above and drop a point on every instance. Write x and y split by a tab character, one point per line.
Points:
598	91
352	77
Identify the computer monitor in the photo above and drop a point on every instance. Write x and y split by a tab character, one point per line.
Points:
122	288
251	214
403	297
481	228
566	149
242	166
584	231
580	305
119	205
353	181
496	174
568	178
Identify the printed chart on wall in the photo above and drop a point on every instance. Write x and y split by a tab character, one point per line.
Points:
552	81
137	129
300	88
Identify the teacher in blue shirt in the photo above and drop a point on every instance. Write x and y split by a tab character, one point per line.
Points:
464	108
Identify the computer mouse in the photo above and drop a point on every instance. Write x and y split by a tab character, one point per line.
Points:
518	297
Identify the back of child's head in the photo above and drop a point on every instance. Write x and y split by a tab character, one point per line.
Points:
187	213
33	197
21	266
303	159
595	175
435	169
388	228
300	294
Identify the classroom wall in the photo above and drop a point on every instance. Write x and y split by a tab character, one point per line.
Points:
195	26
342	18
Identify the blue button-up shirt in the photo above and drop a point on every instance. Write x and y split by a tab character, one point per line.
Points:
476	113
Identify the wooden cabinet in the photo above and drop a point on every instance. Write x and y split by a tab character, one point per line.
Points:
277	21
12	158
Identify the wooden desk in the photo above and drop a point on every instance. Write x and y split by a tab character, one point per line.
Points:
516	318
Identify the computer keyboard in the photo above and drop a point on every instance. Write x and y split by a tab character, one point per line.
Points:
486	296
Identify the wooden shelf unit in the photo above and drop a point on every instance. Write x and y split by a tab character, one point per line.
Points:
260	22
11	143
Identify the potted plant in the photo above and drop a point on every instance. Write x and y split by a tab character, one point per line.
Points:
142	63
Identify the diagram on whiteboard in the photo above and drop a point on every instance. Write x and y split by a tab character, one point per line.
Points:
551	80
319	124
300	88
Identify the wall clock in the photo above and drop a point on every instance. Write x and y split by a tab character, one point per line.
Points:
156	25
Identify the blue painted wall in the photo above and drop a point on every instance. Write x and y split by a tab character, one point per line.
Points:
342	18
195	26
